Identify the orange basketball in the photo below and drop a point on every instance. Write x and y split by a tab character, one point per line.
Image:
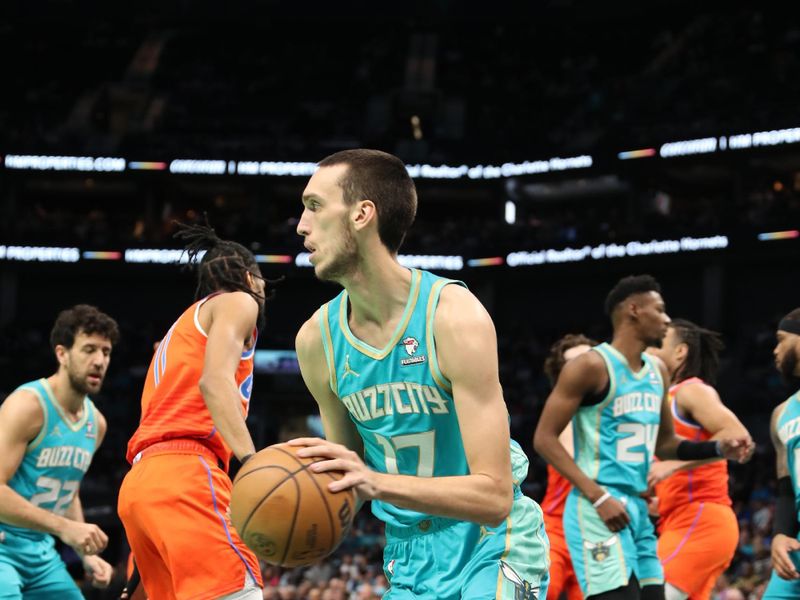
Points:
284	512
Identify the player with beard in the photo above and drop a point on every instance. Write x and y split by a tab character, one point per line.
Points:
615	396
403	365
49	431
174	501
785	433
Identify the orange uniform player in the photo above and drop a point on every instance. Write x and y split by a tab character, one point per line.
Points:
562	575
174	501
698	530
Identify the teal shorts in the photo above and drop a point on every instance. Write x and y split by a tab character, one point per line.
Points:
33	570
603	560
784	589
444	559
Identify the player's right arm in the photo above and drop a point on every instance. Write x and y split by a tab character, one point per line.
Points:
336	422
785	513
338	426
229	322
702	404
581	376
21	419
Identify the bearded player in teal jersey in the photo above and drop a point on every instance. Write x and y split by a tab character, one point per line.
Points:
785	433
615	396
49	431
403	365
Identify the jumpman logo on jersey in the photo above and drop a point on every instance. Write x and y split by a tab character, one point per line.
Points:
484	533
347	369
56	432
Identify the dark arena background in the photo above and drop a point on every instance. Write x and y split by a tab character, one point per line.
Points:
555	149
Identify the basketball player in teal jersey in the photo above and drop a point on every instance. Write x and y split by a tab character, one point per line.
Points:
615	397
785	433
49	431
403	365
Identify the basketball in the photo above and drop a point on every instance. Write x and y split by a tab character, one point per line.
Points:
284	512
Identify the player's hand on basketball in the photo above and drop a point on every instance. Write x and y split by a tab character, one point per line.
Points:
781	561
739	449
613	513
85	538
339	458
99	570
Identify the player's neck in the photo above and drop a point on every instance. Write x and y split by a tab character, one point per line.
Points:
378	291
63	393
630	347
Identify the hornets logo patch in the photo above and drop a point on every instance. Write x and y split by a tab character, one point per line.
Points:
601	550
523	590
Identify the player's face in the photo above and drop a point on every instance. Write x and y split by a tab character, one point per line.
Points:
652	318
325	225
672	350
786	354
86	362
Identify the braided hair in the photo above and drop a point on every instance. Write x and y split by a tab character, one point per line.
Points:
702	357
223	265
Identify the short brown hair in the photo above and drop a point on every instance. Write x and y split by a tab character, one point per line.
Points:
82	318
382	178
555	359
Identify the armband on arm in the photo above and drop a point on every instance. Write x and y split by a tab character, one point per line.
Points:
785	520
697	450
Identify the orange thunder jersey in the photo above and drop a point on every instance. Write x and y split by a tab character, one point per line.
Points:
172	405
708	483
558	488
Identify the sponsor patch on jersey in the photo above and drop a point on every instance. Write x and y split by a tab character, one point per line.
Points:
414	360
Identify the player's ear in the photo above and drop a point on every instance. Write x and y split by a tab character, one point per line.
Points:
61	354
681	351
632	308
364	212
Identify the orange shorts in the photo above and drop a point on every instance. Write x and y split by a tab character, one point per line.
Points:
696	544
174	504
562	575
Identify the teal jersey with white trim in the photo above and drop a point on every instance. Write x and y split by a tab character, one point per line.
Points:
614	441
400	402
56	460
789	433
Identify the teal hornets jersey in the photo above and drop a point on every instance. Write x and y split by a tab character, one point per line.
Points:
397	397
56	459
789	434
614	441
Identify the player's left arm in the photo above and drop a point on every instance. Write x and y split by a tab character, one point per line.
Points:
702	403
670	446
100	571
466	346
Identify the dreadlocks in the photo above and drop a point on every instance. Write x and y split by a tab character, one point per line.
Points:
224	264
703	348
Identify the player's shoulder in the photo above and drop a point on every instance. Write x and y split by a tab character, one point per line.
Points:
234	300
591	362
22	408
309	337
695	390
777	412
459	306
658	363
102	423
